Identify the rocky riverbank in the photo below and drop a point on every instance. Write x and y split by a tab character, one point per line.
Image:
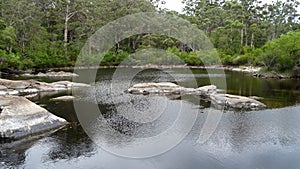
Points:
209	93
59	73
51	74
26	87
20	117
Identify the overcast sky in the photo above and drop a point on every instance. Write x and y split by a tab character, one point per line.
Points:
176	5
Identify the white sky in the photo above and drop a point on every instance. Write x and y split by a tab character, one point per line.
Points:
176	5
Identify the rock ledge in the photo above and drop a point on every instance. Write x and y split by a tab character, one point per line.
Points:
209	93
24	87
20	117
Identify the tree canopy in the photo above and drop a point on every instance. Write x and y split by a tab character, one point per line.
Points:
50	33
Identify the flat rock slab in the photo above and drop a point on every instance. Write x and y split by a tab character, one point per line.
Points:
167	88
20	117
209	93
60	74
21	87
236	102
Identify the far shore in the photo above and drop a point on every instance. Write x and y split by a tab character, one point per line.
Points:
249	69
255	71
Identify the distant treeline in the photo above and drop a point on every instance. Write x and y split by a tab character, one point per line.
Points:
51	33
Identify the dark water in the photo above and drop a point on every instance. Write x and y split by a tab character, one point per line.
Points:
257	139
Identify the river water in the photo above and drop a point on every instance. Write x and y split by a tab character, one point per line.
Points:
267	138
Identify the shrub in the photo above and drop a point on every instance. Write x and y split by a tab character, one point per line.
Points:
283	53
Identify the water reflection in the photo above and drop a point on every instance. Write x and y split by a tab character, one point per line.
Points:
240	131
258	139
71	142
266	139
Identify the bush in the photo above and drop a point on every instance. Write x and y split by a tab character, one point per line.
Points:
226	59
281	54
243	60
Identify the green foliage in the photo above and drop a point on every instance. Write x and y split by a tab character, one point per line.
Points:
114	59
7	38
50	33
197	58
190	58
283	53
226	59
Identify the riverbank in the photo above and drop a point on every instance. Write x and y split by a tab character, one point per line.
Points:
258	72
275	75
249	69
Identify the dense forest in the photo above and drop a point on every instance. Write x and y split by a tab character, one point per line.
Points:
51	33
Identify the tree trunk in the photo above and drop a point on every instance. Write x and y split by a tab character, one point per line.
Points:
252	40
66	26
242	37
246	35
66	34
135	43
89	46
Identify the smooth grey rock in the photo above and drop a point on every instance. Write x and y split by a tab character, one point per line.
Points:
13	92
236	102
155	88
209	93
31	96
167	88
28	91
20	117
68	84
33	86
63	98
18	84
207	90
3	87
3	93
60	74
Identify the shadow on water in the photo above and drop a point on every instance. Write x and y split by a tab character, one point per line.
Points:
70	142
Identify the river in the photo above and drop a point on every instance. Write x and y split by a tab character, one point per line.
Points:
267	138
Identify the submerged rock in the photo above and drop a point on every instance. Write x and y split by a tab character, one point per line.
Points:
20	117
209	93
63	98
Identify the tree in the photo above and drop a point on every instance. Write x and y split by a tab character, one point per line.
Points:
283	53
8	38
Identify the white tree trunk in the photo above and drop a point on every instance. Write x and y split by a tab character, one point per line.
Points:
66	26
252	40
242	37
